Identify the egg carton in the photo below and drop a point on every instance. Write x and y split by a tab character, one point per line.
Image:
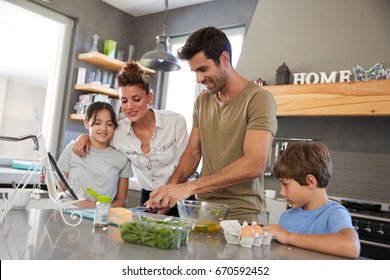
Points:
232	235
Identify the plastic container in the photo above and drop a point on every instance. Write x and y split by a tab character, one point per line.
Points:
102	210
267	238
158	231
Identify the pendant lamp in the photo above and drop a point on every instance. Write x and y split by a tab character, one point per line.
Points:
160	59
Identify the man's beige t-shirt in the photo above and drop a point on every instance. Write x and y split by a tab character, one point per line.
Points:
222	127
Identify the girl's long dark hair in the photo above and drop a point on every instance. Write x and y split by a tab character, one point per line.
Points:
96	107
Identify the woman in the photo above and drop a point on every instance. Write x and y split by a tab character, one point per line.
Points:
152	139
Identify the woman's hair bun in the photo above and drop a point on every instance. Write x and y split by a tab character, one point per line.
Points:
133	67
133	74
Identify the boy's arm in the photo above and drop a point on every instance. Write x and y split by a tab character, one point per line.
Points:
344	243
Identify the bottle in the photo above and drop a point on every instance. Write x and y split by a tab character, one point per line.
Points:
101	211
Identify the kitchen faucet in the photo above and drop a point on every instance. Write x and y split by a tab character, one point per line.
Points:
21	138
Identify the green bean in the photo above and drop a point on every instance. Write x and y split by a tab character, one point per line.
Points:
154	233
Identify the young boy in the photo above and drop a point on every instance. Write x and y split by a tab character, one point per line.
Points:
313	222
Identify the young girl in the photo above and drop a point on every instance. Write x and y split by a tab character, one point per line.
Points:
105	170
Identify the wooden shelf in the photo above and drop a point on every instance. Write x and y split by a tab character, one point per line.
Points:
369	98
106	62
97	88
78	117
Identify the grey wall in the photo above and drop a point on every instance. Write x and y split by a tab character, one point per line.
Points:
315	36
221	13
323	36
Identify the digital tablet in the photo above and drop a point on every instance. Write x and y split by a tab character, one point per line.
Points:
64	184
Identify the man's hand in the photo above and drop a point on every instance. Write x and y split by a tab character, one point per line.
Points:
164	211
159	211
81	145
168	195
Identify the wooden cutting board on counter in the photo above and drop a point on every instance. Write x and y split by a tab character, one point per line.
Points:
367	98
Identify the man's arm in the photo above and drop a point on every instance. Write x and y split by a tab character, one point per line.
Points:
251	165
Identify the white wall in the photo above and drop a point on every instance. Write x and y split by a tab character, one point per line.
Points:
18	118
3	91
315	36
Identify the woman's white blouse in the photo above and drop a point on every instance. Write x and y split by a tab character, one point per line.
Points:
168	142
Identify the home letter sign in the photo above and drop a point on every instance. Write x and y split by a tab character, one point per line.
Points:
314	78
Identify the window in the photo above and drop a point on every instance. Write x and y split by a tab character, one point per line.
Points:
33	62
181	87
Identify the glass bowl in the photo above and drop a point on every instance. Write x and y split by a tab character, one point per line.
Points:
206	215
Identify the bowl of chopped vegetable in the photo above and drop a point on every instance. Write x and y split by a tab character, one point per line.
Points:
206	215
158	231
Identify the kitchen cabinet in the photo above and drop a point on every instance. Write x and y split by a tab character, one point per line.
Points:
107	63
367	98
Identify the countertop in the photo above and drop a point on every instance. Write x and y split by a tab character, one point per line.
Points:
39	232
8	174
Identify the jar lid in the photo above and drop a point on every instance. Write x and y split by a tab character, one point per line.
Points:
103	198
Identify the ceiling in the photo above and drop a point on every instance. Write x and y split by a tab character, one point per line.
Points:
138	8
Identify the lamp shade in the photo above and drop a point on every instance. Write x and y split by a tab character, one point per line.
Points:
160	59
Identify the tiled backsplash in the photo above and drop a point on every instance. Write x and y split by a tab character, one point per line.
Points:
363	176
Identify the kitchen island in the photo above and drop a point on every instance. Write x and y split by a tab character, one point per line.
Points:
39	232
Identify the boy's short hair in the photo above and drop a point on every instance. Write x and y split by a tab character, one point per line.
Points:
303	158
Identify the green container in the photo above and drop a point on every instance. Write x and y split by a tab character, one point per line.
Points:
109	48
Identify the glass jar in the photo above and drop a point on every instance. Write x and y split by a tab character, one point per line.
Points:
101	218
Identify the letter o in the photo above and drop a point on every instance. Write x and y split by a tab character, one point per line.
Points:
311	76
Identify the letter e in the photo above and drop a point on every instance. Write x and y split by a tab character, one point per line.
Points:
345	75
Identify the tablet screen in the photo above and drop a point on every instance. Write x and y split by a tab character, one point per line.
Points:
64	184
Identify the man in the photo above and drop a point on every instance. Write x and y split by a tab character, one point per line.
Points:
234	122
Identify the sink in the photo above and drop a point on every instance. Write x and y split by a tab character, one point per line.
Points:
8	174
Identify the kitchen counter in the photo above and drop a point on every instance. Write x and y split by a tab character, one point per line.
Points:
8	174
38	232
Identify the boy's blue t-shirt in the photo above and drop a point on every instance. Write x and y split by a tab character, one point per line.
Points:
329	218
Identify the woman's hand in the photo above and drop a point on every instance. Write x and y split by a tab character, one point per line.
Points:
81	145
